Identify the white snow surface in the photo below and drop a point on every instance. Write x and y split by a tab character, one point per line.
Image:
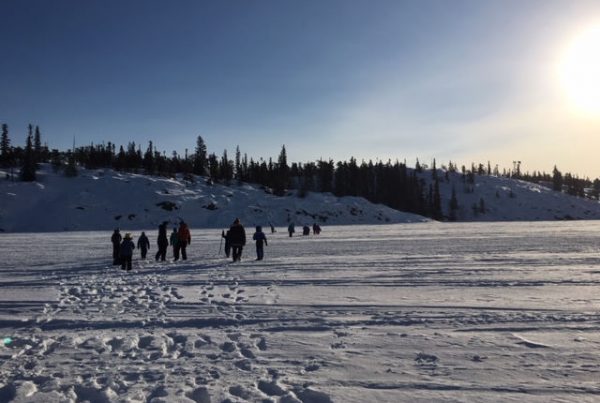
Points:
508	199
105	199
424	312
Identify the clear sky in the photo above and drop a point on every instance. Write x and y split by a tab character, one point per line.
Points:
455	80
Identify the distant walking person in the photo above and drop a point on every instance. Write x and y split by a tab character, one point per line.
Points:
291	229
316	229
306	230
126	252
260	237
237	239
184	238
174	242
143	244
227	243
162	241
116	242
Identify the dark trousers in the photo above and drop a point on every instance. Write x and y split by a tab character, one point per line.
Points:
183	253
144	251
227	249
162	253
237	252
126	262
260	252
176	252
116	248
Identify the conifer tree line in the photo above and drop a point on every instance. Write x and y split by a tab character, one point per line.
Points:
390	183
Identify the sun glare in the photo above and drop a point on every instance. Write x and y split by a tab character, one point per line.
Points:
580	71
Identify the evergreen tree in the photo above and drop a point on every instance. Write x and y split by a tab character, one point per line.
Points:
437	201
281	175
37	145
453	205
28	166
213	166
5	149
200	158
149	165
226	167
481	206
71	168
418	167
557	180
238	164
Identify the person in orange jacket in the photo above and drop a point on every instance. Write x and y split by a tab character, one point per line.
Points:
184	239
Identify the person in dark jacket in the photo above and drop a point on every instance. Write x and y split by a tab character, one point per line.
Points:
143	244
184	238
237	239
227	243
291	229
174	242
126	252
260	237
116	242
316	229
162	241
306	230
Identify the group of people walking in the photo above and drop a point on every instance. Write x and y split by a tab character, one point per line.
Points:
305	229
123	247
180	238
235	240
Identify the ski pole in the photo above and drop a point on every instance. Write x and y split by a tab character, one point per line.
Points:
220	244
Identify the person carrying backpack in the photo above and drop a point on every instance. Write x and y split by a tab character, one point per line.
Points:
143	244
126	252
237	239
260	237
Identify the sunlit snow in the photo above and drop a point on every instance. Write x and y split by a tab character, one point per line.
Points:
409	312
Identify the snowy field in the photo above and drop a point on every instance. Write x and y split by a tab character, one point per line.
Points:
487	312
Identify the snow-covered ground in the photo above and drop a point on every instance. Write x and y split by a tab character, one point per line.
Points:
482	312
104	199
507	199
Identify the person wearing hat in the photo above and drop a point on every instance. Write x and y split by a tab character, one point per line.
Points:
260	238
237	239
127	247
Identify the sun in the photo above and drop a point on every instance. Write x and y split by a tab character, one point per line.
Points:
580	71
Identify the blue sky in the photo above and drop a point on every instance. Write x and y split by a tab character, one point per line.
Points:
460	80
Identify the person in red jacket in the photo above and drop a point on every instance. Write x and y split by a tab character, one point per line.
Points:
184	239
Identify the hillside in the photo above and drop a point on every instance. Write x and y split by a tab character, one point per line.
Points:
103	199
507	199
